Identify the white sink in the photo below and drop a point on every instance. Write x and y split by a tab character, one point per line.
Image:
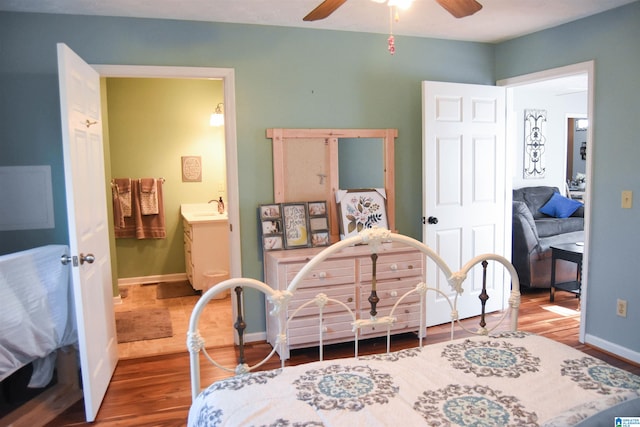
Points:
201	212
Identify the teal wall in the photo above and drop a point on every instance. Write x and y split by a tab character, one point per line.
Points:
285	78
297	78
611	39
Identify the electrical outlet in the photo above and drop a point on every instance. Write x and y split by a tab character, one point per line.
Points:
621	308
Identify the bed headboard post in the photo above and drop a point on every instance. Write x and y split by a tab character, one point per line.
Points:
373	298
240	325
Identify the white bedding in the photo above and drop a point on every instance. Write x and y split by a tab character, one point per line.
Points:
37	314
513	379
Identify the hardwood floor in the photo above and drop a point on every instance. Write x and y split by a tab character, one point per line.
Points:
155	391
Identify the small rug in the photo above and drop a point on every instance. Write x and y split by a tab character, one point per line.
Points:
143	324
166	290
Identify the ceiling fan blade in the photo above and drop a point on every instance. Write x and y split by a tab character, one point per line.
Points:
324	9
460	8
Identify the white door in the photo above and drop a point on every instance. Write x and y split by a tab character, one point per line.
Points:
88	227
464	189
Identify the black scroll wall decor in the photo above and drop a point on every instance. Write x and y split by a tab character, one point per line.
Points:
534	143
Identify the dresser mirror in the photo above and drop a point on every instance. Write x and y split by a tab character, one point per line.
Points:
311	164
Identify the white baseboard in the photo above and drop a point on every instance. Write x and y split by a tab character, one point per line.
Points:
255	337
612	348
145	280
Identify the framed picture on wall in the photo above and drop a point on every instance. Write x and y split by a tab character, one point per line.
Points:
191	168
296	229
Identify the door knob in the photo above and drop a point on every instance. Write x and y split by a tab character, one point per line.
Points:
88	258
65	259
432	220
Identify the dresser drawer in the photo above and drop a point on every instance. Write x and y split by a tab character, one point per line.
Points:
342	293
390	291
407	320
305	331
392	266
327	273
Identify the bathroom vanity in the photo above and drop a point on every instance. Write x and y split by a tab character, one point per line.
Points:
206	244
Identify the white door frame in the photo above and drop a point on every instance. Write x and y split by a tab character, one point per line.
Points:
227	75
587	68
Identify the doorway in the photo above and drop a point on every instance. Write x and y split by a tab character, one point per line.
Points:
230	145
584	70
576	176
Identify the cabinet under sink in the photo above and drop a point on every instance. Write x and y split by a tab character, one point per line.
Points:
206	245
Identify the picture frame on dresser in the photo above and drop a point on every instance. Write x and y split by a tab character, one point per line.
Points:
320	238
296	225
319	224
361	208
318	209
271	226
270	216
272	242
270	211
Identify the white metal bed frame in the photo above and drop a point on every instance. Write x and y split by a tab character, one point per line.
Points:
280	300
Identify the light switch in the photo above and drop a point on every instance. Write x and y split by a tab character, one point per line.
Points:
627	199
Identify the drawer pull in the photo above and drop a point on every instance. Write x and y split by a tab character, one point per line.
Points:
350	299
322	275
324	329
394	267
410	266
394	293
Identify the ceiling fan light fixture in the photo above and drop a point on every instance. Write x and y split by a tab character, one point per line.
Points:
400	4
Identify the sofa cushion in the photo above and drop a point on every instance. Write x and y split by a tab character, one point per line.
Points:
559	206
551	226
534	197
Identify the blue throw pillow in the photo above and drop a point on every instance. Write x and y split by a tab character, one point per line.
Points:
560	207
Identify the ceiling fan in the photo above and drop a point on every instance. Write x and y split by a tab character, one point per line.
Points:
458	8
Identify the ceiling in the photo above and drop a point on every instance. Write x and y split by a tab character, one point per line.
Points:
499	20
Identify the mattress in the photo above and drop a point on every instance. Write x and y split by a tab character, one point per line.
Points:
37	315
511	379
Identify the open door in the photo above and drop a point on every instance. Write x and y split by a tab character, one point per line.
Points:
88	227
464	179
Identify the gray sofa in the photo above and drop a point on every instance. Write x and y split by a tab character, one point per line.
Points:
534	233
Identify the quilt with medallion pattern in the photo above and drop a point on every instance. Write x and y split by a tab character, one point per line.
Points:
510	379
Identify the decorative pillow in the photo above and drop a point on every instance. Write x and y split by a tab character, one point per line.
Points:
560	207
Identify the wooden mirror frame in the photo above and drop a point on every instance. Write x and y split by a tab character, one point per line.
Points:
331	137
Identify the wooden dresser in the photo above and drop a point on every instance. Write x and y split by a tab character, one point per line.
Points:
345	276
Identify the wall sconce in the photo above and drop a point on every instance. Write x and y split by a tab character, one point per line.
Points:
217	118
583	150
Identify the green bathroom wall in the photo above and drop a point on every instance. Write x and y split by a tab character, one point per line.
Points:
153	123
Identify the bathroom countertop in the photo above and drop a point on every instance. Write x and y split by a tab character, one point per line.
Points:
195	213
